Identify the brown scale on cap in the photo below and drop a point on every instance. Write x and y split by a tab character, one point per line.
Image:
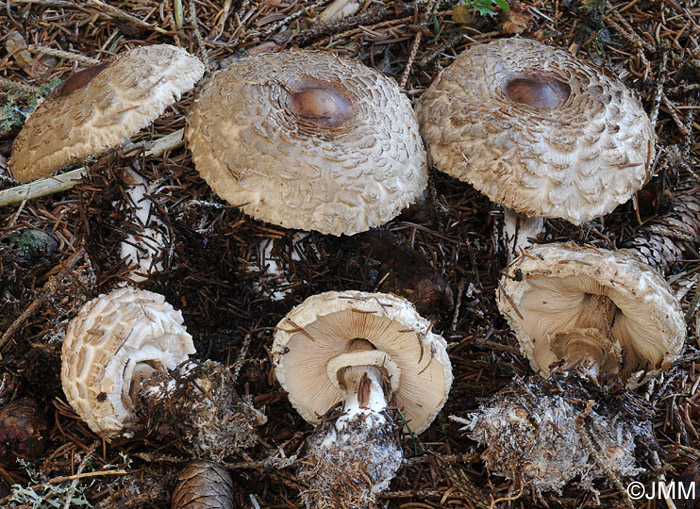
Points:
79	80
322	104
538	91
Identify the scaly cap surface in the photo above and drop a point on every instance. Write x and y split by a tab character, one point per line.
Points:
308	140
537	130
98	108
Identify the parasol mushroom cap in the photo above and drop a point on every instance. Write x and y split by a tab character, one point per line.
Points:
316	341
98	108
537	130
308	140
114	342
542	292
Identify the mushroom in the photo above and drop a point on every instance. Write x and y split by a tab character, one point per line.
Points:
125	361
114	342
99	107
603	312
373	353
308	140
538	131
546	432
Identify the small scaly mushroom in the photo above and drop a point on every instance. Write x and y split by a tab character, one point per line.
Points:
538	131
98	108
114	342
308	140
373	353
125	361
602	312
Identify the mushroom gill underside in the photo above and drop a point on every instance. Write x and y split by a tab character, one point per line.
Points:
576	321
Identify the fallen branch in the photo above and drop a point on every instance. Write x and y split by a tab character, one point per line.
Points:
65	181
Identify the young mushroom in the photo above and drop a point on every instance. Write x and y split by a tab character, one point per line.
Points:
125	361
538	131
98	108
373	353
308	140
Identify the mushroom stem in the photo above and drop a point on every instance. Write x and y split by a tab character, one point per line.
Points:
354	458
518	229
588	346
365	392
143	249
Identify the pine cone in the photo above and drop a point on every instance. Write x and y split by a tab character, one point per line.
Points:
665	240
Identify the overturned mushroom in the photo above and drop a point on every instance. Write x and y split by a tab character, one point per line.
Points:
308	140
603	312
126	355
546	432
538	131
99	107
372	352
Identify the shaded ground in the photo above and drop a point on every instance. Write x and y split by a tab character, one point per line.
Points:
212	275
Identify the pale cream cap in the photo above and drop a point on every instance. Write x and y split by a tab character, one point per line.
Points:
317	335
537	130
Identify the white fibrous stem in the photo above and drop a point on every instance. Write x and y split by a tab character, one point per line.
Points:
142	249
353	459
272	265
589	346
518	229
365	399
